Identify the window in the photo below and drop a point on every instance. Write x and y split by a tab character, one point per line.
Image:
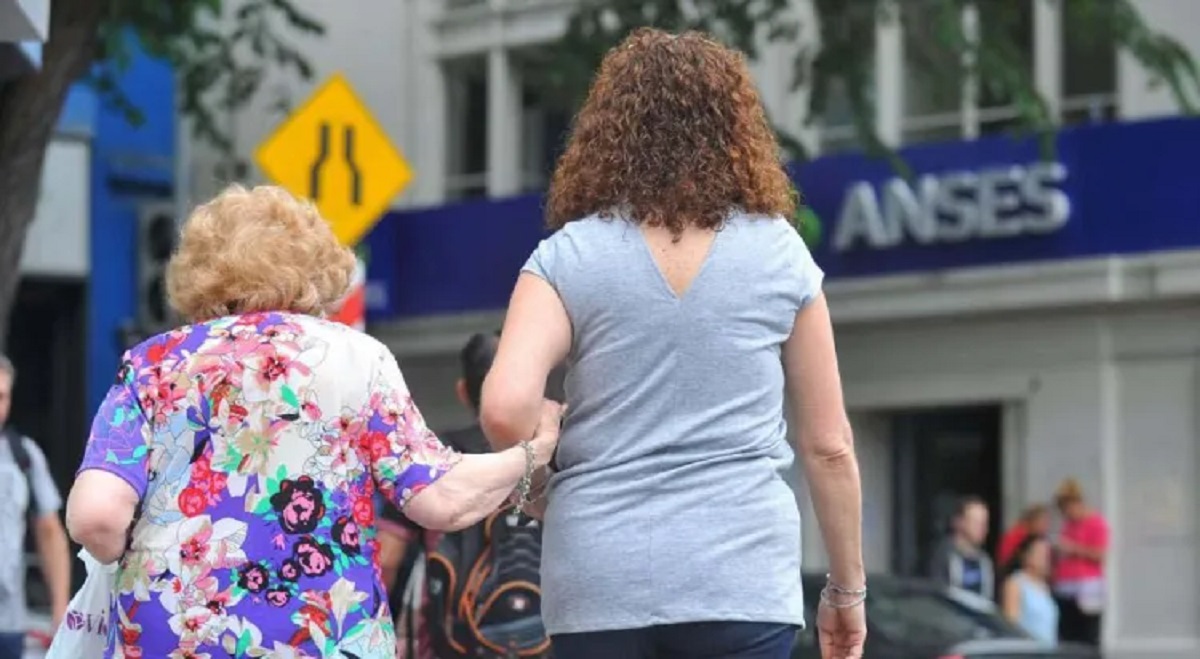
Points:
1008	22
937	105
545	121
932	100
838	132
1089	62
466	138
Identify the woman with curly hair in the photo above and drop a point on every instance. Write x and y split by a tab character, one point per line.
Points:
231	467
682	301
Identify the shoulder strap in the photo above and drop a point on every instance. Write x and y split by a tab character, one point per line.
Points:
20	454
16	445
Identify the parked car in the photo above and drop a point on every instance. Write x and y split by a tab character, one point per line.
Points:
920	619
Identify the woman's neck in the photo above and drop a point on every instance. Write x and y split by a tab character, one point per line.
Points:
1033	574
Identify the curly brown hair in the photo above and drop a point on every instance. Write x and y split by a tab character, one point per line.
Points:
673	134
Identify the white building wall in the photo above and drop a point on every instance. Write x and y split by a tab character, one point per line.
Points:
58	243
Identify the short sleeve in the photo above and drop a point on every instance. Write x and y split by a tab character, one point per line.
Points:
45	492
406	456
544	261
120	439
807	276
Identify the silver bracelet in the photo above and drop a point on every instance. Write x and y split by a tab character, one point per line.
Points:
828	600
833	587
526	481
838	597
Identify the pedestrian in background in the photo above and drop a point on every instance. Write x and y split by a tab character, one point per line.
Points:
683	300
1035	520
29	502
231	465
1079	579
960	560
1026	598
402	542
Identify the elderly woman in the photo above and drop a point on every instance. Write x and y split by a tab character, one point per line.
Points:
683	301
231	466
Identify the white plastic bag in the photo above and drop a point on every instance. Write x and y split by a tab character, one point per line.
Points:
83	633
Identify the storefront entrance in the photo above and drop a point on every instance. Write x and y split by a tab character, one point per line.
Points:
939	455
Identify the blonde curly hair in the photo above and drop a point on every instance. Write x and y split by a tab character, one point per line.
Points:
258	249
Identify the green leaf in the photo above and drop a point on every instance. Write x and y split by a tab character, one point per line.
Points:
289	396
281	473
243	643
140	451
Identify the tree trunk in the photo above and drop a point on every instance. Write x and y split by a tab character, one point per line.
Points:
29	111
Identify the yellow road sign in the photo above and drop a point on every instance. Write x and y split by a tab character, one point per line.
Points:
333	152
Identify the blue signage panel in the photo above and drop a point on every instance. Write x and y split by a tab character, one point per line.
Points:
456	258
1110	189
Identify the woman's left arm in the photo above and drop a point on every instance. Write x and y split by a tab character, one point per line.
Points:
113	476
535	339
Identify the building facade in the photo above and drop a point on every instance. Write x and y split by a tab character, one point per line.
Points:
24	26
1005	321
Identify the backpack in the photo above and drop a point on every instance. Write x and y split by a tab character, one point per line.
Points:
483	590
479	589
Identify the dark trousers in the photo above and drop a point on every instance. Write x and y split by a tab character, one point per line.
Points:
12	645
1076	626
702	640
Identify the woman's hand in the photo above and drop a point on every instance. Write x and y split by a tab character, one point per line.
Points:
545	438
842	631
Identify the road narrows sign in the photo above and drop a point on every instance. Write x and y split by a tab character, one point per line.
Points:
332	151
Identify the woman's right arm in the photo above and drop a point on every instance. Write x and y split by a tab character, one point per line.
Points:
434	486
825	440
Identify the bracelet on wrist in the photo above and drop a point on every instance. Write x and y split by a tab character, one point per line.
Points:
525	483
840	597
833	586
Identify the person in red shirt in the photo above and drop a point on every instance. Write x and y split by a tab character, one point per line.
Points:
1079	579
1035	520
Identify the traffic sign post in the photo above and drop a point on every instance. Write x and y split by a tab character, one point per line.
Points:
333	152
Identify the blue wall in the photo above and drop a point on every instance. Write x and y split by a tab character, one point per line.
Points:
129	165
1132	188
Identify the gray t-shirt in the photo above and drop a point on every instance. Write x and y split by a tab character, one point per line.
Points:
672	504
14	501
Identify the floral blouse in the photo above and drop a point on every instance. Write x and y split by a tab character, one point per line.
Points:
257	443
